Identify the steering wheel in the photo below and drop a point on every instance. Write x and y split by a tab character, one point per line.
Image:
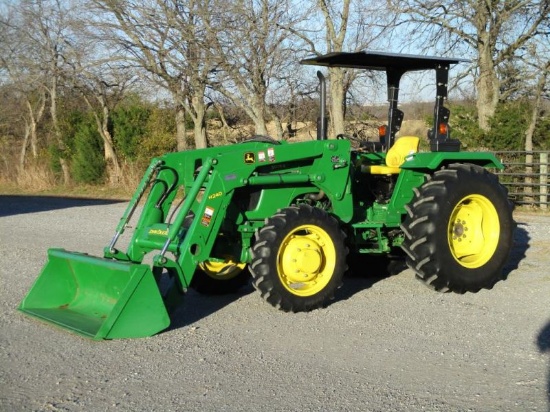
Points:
262	139
342	136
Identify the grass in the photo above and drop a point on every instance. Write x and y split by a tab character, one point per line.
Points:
76	191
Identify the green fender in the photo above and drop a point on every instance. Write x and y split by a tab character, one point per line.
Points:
435	160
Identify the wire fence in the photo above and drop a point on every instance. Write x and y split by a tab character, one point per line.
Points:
526	177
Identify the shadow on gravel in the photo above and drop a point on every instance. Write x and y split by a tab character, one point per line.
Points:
365	271
197	306
519	249
543	343
362	274
16	205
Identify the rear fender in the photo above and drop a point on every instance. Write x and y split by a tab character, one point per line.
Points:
413	172
436	160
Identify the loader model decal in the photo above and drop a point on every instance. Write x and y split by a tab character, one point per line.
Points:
158	232
215	195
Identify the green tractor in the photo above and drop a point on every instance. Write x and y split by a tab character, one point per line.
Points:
287	215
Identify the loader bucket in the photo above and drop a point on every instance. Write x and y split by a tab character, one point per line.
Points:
96	297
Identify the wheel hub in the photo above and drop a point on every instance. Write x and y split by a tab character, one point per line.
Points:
302	260
459	229
473	231
306	260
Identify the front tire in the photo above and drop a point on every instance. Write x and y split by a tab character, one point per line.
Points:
220	277
298	259
459	229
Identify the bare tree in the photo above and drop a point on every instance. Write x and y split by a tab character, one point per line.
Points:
494	30
346	26
33	57
35	111
50	19
102	85
25	85
335	36
249	42
102	78
164	38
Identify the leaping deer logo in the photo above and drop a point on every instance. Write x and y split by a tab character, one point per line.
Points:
249	157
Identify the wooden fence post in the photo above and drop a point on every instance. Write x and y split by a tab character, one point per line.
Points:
543	181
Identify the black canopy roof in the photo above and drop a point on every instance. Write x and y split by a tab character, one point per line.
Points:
373	60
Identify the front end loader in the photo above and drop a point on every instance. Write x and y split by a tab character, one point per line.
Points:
287	215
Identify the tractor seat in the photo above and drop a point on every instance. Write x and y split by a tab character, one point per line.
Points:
403	147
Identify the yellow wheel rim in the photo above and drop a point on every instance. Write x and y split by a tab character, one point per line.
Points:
473	231
306	260
222	270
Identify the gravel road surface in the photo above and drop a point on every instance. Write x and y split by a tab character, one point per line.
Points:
385	344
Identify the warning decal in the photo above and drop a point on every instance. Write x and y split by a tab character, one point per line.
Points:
207	216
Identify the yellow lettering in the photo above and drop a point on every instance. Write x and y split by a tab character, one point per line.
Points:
215	195
158	232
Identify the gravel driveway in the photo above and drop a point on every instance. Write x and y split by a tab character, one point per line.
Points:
385	344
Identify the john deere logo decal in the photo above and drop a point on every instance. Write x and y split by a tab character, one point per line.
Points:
249	158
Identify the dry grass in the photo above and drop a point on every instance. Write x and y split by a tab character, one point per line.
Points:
414	128
35	177
131	174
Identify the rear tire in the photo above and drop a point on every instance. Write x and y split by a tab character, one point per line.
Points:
298	259
459	229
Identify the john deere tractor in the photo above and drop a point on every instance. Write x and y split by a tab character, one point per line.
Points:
287	215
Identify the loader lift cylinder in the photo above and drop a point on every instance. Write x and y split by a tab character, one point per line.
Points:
206	167
142	187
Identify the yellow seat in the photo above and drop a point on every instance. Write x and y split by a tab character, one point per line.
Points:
403	147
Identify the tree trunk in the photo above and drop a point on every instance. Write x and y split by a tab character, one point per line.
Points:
199	121
225	125
279	130
181	143
111	158
34	120
200	134
278	127
31	135
487	88
57	132
337	99
113	165
260	127
23	153
102	123
256	112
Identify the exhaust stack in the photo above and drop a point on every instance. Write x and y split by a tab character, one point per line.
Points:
322	120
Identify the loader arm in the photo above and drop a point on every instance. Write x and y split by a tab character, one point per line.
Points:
322	166
119	296
184	236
